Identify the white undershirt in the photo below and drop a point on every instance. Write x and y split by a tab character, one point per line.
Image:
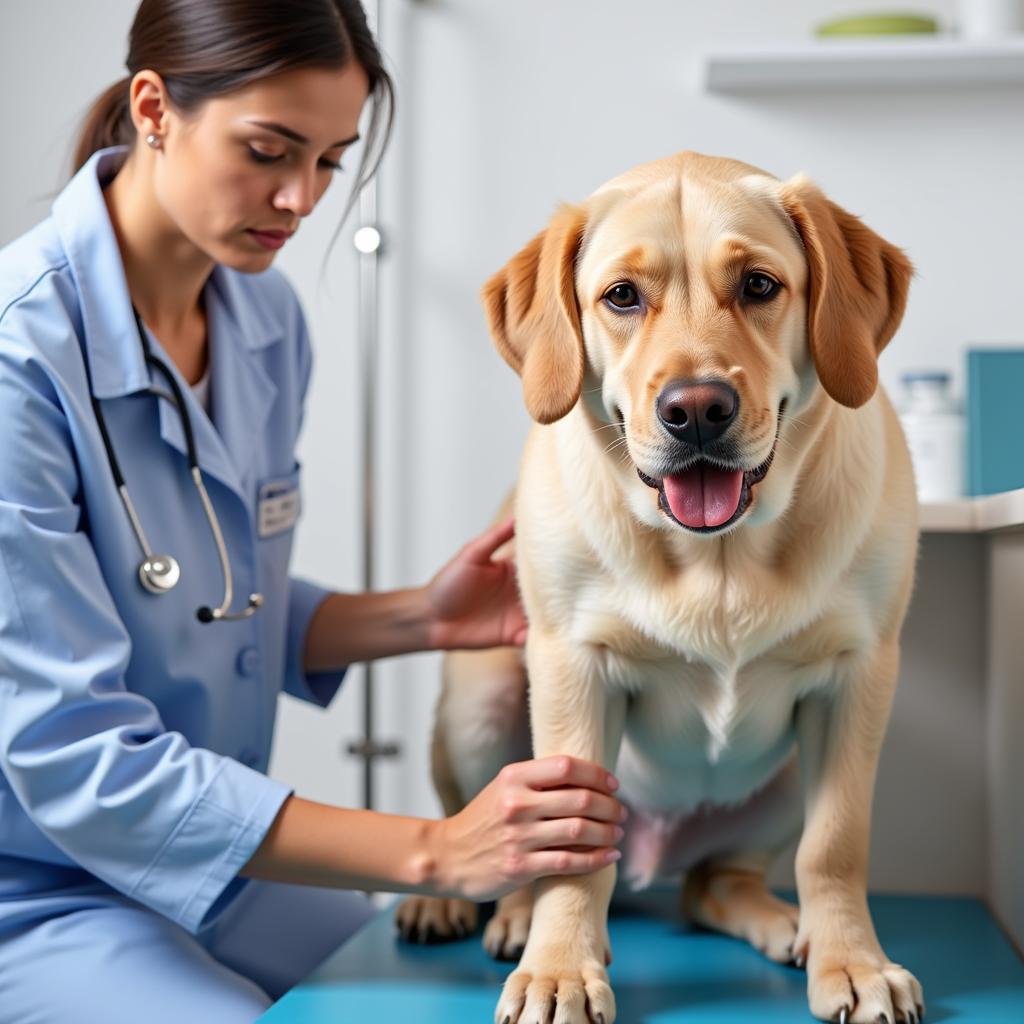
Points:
201	389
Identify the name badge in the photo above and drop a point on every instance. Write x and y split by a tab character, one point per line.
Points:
278	507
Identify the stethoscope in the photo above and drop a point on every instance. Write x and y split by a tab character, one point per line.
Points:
160	573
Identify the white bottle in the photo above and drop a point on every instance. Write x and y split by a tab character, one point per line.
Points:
989	19
934	429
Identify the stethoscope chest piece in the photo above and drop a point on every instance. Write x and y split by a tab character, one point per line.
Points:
159	573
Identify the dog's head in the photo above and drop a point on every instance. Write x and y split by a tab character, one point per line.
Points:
696	304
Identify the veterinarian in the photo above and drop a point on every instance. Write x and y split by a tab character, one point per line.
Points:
153	369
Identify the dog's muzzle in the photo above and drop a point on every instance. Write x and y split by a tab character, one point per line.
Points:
707	496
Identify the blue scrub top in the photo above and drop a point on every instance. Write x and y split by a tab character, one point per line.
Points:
133	738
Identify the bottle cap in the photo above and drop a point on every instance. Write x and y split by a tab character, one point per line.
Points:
931	376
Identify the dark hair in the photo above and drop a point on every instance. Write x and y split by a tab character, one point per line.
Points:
207	48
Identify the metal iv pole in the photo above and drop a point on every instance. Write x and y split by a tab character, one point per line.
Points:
367	240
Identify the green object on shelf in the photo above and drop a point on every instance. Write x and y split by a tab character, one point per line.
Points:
879	25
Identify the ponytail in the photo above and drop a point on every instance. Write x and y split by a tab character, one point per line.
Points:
108	123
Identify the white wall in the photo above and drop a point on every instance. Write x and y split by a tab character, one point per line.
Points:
506	108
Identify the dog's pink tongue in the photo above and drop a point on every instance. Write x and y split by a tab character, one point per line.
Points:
704	495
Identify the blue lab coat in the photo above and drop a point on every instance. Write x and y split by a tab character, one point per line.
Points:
134	738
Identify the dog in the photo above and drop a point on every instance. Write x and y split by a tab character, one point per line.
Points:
716	538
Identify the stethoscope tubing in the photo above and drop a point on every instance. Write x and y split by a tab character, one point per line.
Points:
159	574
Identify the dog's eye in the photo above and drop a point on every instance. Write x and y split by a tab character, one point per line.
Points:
622	296
758	286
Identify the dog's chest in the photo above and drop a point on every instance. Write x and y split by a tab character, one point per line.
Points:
694	734
689	712
712	721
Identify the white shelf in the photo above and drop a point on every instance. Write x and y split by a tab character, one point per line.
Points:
991	514
866	64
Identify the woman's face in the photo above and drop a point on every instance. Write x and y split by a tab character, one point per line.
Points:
258	160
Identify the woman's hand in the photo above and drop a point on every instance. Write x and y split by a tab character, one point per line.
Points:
474	601
553	816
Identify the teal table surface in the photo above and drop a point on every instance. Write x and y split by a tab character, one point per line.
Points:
666	973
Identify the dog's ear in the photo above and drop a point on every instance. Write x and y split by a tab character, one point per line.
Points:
857	291
534	318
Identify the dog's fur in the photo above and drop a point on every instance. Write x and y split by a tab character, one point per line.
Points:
717	671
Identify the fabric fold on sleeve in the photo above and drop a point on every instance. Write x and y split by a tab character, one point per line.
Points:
214	840
315	687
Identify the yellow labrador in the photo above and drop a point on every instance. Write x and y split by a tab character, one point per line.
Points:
716	535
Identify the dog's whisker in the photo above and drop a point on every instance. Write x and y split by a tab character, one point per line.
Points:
618	442
798	420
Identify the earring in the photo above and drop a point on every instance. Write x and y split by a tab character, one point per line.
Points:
153	141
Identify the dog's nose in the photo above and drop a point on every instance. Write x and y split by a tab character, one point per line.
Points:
697	412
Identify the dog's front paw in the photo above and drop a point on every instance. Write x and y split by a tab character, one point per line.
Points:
554	985
869	988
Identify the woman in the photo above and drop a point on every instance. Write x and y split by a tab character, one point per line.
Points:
152	375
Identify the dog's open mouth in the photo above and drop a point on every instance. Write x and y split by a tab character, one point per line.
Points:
707	497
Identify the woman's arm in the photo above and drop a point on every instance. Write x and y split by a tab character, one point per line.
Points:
349	628
472	602
316	844
555	816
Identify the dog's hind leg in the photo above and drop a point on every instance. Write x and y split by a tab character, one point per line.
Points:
734	899
726	890
480	726
430	918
